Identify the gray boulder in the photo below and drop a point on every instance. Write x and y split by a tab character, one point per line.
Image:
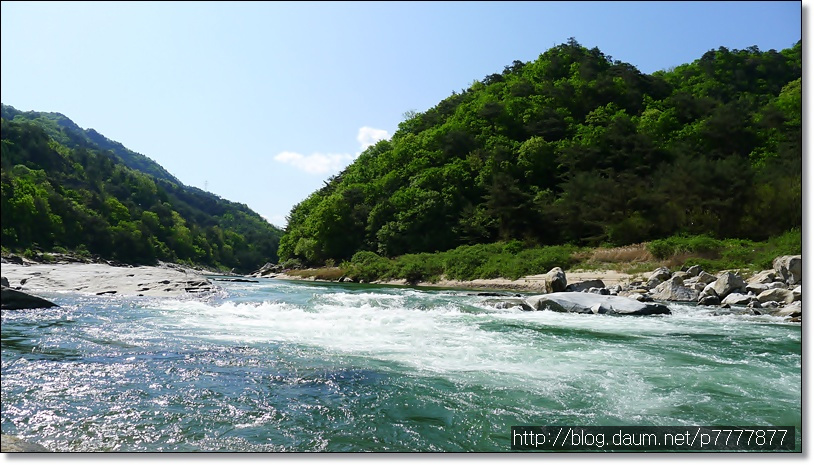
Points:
706	278
776	295
555	280
790	268
764	277
583	286
658	276
756	288
674	290
694	270
794	309
682	275
583	302
11	299
709	300
798	293
736	298
15	444
4	281
727	283
708	290
599	290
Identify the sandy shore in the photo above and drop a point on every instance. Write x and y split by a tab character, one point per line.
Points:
532	283
99	279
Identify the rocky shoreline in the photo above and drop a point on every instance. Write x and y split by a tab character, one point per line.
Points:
21	282
777	291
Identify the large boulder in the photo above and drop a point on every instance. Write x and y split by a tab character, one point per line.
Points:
583	286
674	290
555	280
709	300
11	299
4	281
704	277
583	302
764	277
756	288
694	270
790	268
794	309
736	298
727	283
15	444
658	276
776	295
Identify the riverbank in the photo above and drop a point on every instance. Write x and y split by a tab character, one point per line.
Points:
531	283
164	280
776	291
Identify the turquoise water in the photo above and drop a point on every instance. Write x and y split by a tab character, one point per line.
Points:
292	366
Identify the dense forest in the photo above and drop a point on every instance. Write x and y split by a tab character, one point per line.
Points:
69	189
575	148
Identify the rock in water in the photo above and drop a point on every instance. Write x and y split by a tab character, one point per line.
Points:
736	298
583	302
555	280
11	299
15	444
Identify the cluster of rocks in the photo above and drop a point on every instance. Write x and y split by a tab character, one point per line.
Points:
269	270
777	291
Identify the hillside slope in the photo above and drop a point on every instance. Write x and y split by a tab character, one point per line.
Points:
575	148
67	188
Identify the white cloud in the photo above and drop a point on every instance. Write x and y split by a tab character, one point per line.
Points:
322	163
368	136
316	163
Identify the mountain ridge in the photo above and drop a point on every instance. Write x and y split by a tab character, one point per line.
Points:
69	188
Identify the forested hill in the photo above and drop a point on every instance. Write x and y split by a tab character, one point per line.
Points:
66	132
575	147
68	189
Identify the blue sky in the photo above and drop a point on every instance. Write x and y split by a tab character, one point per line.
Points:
260	102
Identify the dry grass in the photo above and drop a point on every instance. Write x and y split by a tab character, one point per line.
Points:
636	253
322	274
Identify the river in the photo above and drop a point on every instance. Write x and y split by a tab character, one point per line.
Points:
302	366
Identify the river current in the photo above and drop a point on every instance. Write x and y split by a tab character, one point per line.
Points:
301	366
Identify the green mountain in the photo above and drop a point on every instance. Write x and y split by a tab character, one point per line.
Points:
575	148
66	188
60	128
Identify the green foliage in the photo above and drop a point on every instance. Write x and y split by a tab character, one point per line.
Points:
62	191
574	147
713	254
665	248
483	261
